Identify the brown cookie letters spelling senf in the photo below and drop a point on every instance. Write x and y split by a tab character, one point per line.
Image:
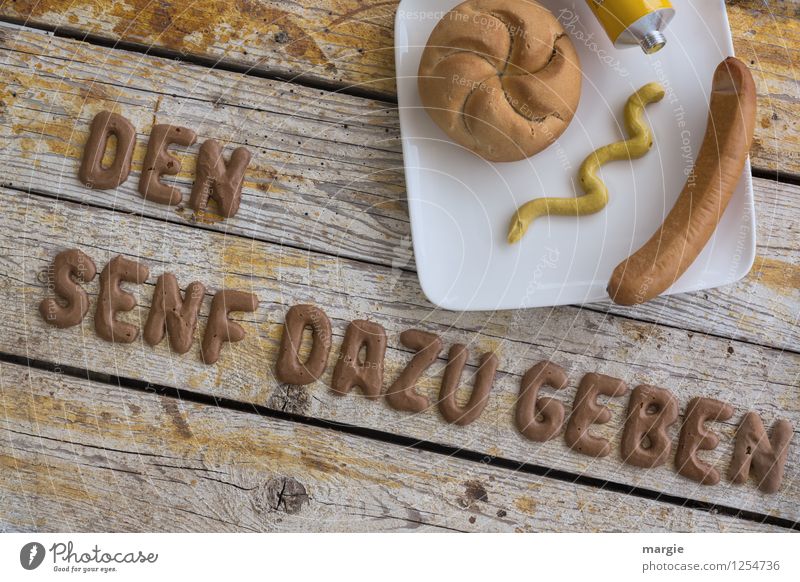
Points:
586	411
756	453
484	379
695	437
113	299
350	370
159	162
645	439
171	314
217	180
402	394
220	328
289	368
92	173
540	420
69	267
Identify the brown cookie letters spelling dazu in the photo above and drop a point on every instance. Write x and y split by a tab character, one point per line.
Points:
402	394
350	371
484	378
289	368
69	267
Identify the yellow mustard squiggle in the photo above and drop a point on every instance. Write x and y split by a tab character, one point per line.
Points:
596	193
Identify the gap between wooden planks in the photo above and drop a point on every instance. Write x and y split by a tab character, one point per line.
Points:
349	45
327	171
747	376
81	456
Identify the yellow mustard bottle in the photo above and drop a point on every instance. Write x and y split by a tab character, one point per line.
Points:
634	22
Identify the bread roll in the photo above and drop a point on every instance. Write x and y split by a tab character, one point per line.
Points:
500	77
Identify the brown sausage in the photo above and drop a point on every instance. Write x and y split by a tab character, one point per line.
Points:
689	226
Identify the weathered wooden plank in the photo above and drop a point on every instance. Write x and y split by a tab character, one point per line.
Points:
327	172
350	43
766	35
747	376
327	168
82	456
347	42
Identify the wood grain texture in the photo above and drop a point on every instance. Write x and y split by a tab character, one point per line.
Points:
327	172
349	43
766	36
328	178
79	456
746	376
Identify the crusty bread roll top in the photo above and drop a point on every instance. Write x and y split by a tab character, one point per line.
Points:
500	77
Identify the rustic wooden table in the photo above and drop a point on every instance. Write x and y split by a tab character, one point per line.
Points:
100	436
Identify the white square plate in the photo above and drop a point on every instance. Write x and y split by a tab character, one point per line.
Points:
460	204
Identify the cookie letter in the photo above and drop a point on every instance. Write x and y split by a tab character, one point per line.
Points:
219	328
484	378
92	173
645	440
402	394
215	180
171	314
112	299
66	265
289	368
586	411
695	437
755	451
350	371
540	420
158	162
